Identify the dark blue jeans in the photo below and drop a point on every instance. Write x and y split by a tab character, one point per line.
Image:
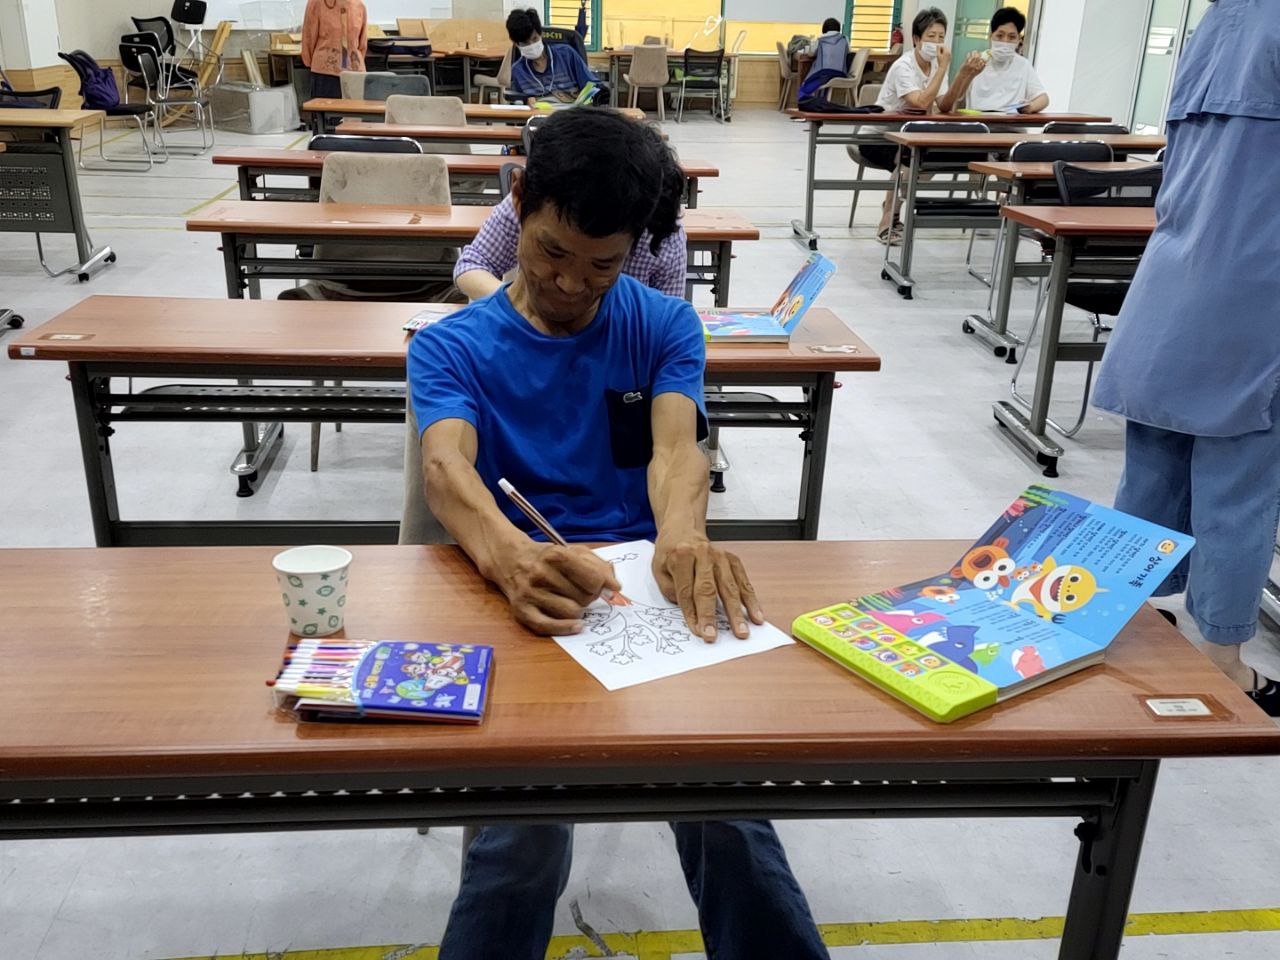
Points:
749	904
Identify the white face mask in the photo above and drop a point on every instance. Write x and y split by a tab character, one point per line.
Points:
532	51
929	51
1002	52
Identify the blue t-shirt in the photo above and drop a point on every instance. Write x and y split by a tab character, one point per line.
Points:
565	73
565	419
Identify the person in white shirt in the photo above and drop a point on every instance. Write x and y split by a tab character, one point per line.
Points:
917	81
1009	80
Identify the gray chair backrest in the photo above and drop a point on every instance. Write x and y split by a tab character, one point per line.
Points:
504	177
1081	187
354	144
1071	126
430	111
530	128
378	86
1048	151
869	93
947	158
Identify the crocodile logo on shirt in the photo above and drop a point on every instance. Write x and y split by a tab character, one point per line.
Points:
633	397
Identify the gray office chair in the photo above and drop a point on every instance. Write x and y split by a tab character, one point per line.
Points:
1110	264
529	129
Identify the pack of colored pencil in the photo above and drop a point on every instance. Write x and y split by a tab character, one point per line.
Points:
443	682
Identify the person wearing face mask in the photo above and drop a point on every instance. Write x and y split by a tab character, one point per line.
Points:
917	81
1009	79
544	71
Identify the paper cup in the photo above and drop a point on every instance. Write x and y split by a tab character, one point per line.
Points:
313	584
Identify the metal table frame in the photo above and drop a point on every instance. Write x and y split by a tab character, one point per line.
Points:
1110	798
993	328
899	273
848	136
91	257
99	409
1029	429
674	56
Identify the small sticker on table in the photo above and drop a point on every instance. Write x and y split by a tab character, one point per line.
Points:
67	336
26	351
1178	707
833	348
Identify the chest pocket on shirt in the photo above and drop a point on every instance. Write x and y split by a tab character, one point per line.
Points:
630	427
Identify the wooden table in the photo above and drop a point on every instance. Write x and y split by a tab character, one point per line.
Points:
325	111
993	327
1069	227
920	145
181	340
244	225
45	196
857	129
615	56
255	164
140	749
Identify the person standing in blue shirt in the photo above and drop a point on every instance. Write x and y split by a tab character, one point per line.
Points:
544	71
1194	362
584	388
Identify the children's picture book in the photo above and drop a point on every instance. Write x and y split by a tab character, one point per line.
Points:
584	97
641	635
397	680
776	324
1040	595
432	313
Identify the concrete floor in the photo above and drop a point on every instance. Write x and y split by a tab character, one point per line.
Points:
914	453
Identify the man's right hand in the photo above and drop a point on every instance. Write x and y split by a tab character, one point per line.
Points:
549	587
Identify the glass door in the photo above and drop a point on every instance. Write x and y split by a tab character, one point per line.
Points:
1169	27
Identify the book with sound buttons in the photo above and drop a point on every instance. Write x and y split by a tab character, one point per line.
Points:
1040	595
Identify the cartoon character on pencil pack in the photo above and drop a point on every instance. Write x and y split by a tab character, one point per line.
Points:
988	566
435	673
1027	661
959	644
907	621
1056	591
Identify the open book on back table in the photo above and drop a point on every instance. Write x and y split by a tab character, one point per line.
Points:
776	324
1039	596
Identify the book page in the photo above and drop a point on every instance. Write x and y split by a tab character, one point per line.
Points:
647	639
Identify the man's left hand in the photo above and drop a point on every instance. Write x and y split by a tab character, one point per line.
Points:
695	573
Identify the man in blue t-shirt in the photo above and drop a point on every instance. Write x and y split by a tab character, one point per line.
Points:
544	71
584	388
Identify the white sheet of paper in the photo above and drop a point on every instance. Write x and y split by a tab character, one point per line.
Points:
648	640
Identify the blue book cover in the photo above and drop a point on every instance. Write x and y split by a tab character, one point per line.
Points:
782	318
420	681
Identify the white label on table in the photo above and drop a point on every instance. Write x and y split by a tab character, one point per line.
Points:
26	351
1178	707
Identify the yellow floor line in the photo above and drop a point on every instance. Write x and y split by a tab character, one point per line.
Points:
294	143
204	203
662	945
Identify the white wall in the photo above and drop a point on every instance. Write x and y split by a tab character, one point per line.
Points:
1110	52
1057	48
95	26
28	33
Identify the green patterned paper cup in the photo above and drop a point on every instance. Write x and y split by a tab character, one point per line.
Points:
313	584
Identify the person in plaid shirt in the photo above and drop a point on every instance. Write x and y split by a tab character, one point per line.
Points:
659	258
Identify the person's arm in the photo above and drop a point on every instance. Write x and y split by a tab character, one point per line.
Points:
548	587
362	41
1036	95
689	568
923	99
973	65
310	32
672	264
578	68
486	259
